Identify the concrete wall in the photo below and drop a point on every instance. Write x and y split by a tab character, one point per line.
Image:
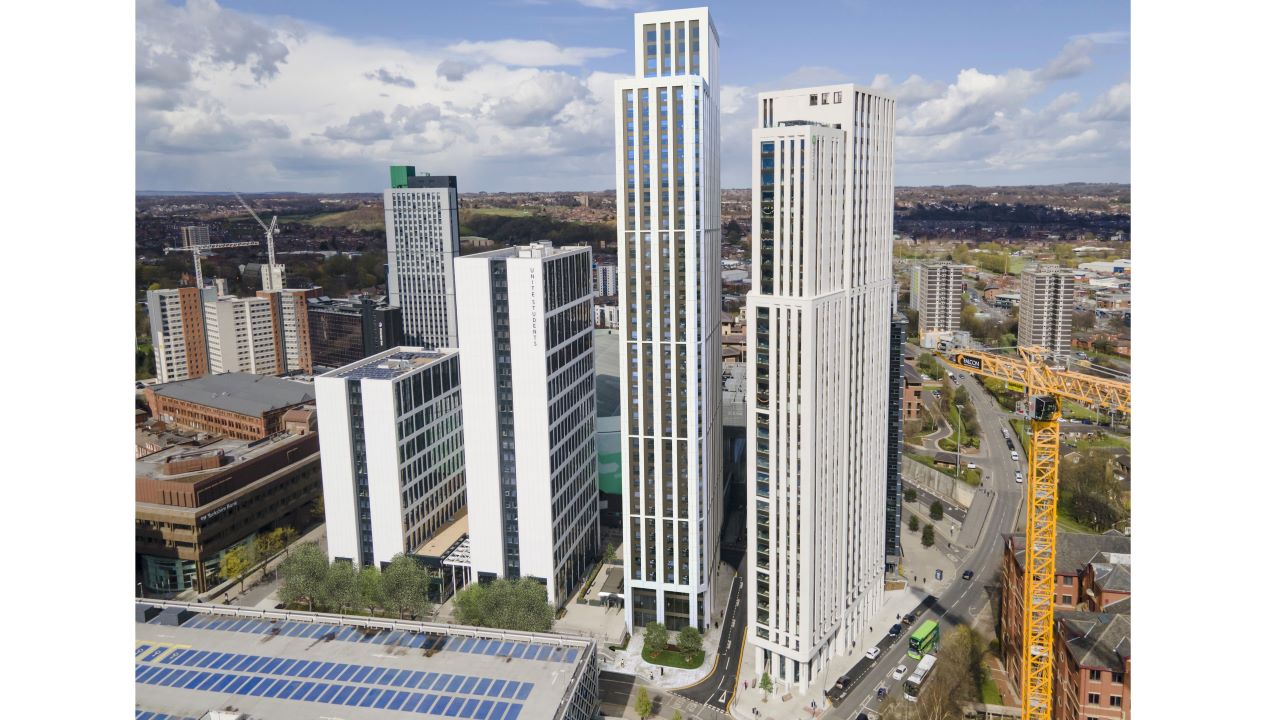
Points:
957	491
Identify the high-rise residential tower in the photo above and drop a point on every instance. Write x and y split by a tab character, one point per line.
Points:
935	294
391	452
194	235
528	394
422	240
818	333
178	332
1044	312
667	135
243	336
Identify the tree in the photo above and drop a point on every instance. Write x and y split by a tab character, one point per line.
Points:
405	584
935	510
369	588
341	590
957	676
913	523
287	537
317	508
303	574
644	706
236	562
1082	320
655	638
927	537
765	683
510	604
689	640
909	494
610	553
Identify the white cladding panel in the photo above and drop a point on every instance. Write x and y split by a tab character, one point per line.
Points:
334	425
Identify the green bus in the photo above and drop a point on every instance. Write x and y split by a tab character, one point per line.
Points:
923	640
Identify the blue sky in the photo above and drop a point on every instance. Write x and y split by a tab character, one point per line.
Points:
515	94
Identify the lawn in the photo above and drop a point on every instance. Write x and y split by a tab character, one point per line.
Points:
991	693
365	217
1106	441
1076	411
1066	523
676	659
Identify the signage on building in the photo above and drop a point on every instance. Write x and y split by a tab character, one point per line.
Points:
973	362
215	513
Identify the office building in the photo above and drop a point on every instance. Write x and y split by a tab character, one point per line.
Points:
528	394
667	136
242	336
604	279
391	447
897	417
818	339
178	332
194	235
197	660
291	326
935	295
1044	310
199	497
422	241
346	330
235	405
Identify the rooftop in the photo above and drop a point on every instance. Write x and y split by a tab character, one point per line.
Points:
271	664
182	461
542	249
239	393
445	538
1096	640
1076	550
388	365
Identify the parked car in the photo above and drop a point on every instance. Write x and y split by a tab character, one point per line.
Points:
971	466
908	619
1017	476
873	653
837	690
896	630
899	671
967	575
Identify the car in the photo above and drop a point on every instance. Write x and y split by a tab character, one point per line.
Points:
967	575
1082	355
899	671
971	466
937	393
1009	442
937	574
1005	433
862	716
842	684
1017	476
896	630
881	692
873	653
908	618
1013	455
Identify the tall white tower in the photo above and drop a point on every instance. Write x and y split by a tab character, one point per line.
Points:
667	134
818	328
422	241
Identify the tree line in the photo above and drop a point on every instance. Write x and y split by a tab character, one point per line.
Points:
308	577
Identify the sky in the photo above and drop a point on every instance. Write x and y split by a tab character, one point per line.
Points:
513	95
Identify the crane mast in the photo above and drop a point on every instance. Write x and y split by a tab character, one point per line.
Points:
1048	387
269	278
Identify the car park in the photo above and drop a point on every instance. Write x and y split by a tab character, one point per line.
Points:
873	653
899	671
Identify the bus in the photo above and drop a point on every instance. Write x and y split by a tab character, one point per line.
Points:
924	639
911	688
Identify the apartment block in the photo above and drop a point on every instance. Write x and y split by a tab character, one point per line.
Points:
528	394
667	138
935	295
243	337
178	332
194	235
818	340
392	452
346	330
1044	309
291	325
422	241
604	279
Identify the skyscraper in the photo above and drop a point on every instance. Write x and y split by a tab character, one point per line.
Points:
422	240
243	336
818	331
291	324
1044	312
667	135
528	394
194	235
893	472
391	452
935	294
178	332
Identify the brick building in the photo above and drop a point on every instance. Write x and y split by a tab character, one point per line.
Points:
912	393
195	500
236	405
1091	581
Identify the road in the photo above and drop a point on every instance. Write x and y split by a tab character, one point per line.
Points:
963	600
715	689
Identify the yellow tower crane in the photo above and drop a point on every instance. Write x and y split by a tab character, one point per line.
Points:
1048	387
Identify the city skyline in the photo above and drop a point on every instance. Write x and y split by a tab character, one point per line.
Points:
286	102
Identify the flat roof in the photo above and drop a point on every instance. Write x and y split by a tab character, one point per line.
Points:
444	539
234	450
388	365
284	665
239	393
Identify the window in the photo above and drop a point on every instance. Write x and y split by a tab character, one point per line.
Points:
1095	699
1069	580
1095	674
1066	599
813	99
1116	701
824	98
1117	677
835	98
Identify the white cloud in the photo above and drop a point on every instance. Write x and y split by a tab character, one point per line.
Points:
1112	105
529	53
